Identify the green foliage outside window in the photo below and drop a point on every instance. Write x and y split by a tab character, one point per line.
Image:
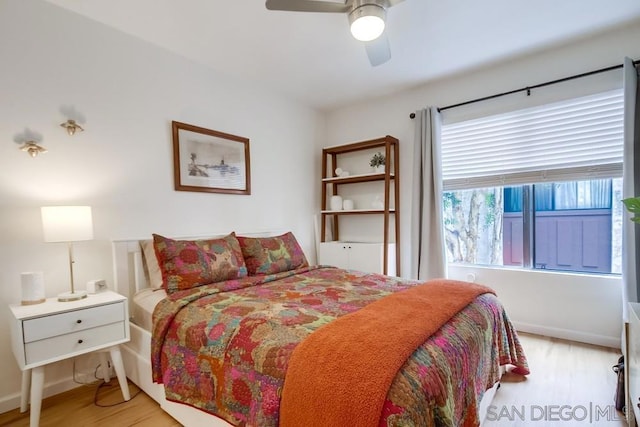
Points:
633	205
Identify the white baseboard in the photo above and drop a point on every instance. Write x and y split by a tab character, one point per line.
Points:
568	334
8	403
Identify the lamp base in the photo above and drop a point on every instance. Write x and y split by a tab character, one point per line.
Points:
72	296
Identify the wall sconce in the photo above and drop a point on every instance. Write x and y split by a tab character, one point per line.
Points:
32	148
71	126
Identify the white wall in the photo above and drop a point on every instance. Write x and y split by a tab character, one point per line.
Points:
129	91
579	307
583	311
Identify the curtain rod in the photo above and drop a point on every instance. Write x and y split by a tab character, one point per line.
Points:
528	88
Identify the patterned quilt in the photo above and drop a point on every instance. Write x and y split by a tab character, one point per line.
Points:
224	347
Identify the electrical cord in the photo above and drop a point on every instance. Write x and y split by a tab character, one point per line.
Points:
104	384
101	384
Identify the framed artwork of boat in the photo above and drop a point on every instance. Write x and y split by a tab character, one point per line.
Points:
206	160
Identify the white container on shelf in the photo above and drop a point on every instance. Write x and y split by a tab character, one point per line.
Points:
336	203
348	205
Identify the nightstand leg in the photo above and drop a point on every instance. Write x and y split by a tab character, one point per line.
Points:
37	384
24	394
116	359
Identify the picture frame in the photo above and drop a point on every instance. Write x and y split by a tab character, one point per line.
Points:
206	160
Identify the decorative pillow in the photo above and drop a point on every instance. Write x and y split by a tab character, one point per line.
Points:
189	263
270	255
152	269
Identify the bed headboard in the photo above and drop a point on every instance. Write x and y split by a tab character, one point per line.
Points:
128	272
128	268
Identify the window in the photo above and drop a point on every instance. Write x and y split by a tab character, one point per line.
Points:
542	192
575	227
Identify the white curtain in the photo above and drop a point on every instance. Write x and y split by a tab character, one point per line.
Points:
427	238
631	184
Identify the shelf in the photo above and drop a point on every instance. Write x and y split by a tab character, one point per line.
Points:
357	212
352	179
389	210
357	146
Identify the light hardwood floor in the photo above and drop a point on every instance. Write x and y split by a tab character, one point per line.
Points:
569	381
563	373
76	408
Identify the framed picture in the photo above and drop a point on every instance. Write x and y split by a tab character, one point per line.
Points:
210	161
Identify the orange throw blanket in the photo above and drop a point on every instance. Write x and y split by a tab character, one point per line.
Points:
329	380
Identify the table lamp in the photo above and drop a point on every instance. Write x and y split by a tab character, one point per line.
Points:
68	224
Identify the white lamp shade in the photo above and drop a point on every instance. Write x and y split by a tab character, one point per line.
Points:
67	223
367	22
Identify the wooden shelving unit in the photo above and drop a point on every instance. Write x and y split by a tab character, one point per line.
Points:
331	185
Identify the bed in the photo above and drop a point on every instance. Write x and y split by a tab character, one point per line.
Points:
222	349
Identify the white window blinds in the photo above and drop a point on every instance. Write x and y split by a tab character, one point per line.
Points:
576	139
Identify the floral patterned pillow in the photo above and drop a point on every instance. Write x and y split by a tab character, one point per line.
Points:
189	263
270	255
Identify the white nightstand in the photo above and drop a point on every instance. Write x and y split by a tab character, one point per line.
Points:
53	331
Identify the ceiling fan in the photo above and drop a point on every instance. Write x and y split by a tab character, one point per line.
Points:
366	18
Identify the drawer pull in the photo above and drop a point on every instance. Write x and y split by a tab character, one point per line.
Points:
78	321
80	341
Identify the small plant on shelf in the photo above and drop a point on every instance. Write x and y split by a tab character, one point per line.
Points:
377	162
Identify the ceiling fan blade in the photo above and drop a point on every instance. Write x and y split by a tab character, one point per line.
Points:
308	6
378	50
394	2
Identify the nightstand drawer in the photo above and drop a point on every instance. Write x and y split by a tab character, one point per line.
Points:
78	320
79	341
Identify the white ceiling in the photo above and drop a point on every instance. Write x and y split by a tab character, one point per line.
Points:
312	56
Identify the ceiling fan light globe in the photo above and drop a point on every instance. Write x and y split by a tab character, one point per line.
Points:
367	22
367	28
